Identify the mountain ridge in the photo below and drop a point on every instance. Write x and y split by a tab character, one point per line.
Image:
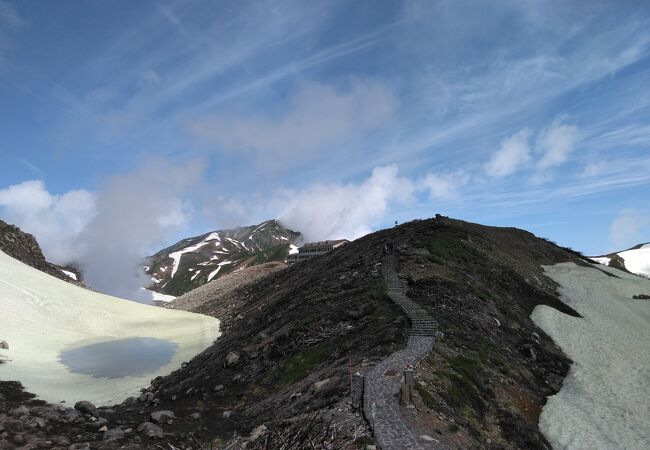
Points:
635	259
197	260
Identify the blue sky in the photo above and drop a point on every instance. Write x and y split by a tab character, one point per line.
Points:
142	122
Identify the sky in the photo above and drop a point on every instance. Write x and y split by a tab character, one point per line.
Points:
125	126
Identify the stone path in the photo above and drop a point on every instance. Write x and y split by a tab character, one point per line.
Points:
382	383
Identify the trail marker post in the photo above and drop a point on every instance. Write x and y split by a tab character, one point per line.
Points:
408	381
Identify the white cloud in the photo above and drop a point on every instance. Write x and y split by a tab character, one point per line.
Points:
330	211
443	186
555	143
629	228
55	220
513	153
316	116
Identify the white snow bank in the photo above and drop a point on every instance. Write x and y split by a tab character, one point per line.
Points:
214	273
604	260
42	316
637	260
603	402
70	274
157	296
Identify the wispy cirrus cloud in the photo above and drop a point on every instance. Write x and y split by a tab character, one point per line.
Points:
9	16
317	116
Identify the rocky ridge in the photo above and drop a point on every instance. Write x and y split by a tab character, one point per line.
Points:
298	344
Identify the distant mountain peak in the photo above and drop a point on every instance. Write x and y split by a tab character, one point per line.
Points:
194	261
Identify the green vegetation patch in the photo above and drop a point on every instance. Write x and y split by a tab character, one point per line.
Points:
299	365
379	290
462	390
445	249
274	253
427	397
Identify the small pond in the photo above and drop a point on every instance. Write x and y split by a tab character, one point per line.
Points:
135	356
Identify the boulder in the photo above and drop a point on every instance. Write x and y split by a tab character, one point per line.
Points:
4	345
20	411
114	434
146	397
164	416
319	385
232	359
85	407
150	430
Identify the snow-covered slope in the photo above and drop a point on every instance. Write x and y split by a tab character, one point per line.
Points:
635	260
41	316
195	261
603	402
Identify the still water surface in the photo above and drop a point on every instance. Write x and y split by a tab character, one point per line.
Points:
119	358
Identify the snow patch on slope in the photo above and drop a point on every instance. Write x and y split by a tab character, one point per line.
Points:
176	256
604	260
213	237
603	401
637	260
216	271
70	274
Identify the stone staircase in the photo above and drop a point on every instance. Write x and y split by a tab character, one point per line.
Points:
382	383
422	323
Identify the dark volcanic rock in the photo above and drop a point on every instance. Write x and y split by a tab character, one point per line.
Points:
85	407
150	430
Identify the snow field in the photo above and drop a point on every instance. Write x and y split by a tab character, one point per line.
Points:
42	316
603	402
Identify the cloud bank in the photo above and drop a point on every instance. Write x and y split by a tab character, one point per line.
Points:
55	220
343	210
107	233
